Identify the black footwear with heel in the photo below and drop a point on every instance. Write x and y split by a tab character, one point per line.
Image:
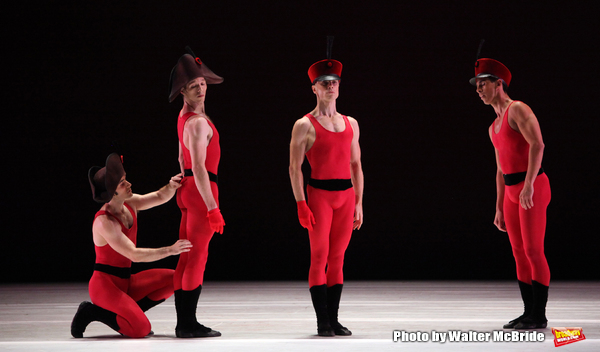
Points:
527	296
88	312
185	307
318	295
334	294
537	318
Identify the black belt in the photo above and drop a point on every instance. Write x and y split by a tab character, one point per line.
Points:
516	178
214	178
123	273
331	185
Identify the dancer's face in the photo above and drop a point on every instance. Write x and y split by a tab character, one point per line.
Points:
327	90
123	190
487	90
195	90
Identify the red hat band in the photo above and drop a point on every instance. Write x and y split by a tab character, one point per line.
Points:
325	70
490	67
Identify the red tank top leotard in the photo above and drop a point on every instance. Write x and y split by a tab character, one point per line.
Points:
329	156
513	149
213	150
108	256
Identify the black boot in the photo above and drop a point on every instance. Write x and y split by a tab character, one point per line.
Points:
537	318
318	294
187	325
527	296
89	312
334	293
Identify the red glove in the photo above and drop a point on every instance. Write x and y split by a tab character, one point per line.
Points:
306	217
215	219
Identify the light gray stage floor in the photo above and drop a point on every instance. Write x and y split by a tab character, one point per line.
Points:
278	316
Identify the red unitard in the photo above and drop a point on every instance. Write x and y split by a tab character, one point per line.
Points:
195	227
329	158
526	228
120	294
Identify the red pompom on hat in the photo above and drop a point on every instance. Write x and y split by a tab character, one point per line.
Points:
188	68
491	68
325	70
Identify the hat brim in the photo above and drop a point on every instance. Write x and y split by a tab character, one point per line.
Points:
329	77
473	80
105	185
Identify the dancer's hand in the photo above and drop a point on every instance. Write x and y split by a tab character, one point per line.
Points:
306	217
358	217
526	197
175	181
180	247
499	221
216	221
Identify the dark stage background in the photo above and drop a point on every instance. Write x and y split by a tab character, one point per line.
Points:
80	77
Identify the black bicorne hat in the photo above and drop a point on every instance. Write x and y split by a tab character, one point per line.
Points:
189	67
104	181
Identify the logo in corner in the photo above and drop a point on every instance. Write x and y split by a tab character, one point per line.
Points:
565	336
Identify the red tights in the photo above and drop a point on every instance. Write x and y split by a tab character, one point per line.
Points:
526	230
194	227
334	214
120	296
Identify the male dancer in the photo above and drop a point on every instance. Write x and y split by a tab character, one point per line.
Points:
330	142
523	189
198	197
120	299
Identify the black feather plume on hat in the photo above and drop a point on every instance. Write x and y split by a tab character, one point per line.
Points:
479	49
329	47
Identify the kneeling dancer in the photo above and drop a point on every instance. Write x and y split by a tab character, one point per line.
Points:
120	298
